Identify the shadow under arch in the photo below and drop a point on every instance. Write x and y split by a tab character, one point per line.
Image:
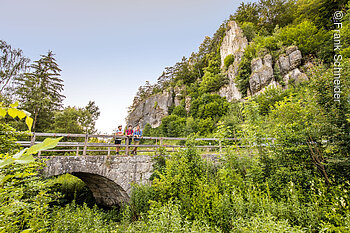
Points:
105	191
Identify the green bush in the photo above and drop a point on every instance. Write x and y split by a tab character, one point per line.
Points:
173	126
179	111
140	198
249	30
263	224
74	218
209	106
212	82
308	38
229	60
168	218
244	72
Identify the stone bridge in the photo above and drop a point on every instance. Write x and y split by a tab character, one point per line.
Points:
108	177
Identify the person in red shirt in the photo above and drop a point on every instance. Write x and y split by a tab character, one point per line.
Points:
129	133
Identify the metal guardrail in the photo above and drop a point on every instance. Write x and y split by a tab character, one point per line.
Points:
106	147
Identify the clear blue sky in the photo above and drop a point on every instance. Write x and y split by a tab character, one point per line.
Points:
108	48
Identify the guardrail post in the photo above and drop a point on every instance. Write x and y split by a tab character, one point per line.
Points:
127	146
77	150
85	144
161	146
32	140
109	151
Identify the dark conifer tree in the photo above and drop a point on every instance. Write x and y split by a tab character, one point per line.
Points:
39	91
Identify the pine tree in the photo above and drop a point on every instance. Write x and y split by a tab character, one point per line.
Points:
39	91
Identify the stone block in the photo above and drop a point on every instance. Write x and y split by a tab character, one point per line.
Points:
256	64
284	64
268	60
291	49
295	59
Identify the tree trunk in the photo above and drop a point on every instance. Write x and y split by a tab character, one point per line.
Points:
35	119
318	160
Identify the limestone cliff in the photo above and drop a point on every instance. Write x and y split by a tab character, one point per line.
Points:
153	109
266	71
263	69
233	43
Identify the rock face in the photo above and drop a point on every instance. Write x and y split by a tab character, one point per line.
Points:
233	43
153	109
265	72
262	74
288	64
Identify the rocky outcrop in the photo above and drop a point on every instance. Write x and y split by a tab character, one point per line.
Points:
287	66
231	91
265	72
262	74
234	44
152	109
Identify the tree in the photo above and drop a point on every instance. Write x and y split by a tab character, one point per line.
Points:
266	14
12	65
39	91
76	120
247	12
275	12
319	12
67	121
89	116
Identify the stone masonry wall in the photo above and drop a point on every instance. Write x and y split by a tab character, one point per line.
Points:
108	177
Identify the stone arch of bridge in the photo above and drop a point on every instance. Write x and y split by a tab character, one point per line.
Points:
105	191
109	178
92	171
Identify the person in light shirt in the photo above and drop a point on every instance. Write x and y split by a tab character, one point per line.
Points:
137	137
118	141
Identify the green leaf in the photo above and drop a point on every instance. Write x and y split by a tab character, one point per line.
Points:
27	158
19	154
6	162
14	105
48	143
27	231
29	122
3	112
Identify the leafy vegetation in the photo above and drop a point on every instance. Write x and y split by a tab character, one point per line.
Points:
289	172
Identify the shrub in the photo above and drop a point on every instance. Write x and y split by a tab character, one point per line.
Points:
229	60
308	38
209	106
168	218
248	29
74	218
140	198
180	111
173	126
263	224
212	82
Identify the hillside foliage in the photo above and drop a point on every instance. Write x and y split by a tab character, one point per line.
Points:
288	172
